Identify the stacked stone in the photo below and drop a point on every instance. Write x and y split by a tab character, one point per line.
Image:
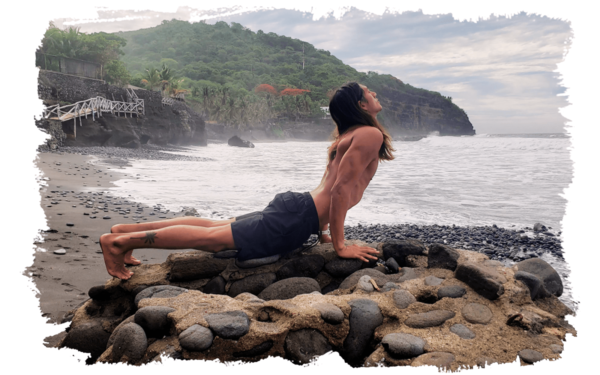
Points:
438	302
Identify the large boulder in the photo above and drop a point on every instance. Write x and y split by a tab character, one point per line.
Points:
343	267
365	316
442	256
305	266
253	284
195	265
303	345
130	341
154	320
400	249
89	337
239	142
545	272
290	288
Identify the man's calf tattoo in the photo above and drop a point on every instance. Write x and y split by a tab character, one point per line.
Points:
148	238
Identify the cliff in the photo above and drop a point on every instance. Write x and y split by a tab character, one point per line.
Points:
161	124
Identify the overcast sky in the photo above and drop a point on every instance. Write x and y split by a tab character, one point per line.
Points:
500	70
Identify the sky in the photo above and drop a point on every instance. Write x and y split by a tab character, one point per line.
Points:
22	217
500	70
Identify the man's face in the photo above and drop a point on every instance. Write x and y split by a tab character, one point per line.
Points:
372	104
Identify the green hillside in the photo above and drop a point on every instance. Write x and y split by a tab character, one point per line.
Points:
222	65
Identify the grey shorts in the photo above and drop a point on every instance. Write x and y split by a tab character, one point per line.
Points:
284	225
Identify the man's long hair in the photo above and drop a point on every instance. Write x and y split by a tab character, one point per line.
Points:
347	113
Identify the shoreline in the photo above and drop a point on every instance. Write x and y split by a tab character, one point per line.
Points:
64	280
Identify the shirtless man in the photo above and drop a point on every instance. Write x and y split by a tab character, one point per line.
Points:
290	218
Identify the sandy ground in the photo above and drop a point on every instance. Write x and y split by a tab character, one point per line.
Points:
72	180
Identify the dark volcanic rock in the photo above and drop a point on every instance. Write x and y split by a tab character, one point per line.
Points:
330	312
439	359
442	256
305	266
239	142
545	272
483	280
257	262
196	338
403	345
462	331
154	320
477	313
215	286
195	265
253	284
429	319
451	291
229	325
303	345
259	349
530	356
392	265
539	227
159	291
290	288
343	267
533	283
399	249
130	341
365	316
89	337
403	298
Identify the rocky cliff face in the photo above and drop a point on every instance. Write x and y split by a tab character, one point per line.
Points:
421	113
161	124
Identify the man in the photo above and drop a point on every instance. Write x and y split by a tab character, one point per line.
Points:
289	219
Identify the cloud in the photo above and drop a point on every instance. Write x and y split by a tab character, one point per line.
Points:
499	61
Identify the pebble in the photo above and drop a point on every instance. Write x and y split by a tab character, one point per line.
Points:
530	356
130	341
365	284
433	281
477	313
229	325
557	349
403	345
451	291
106	217
389	286
159	291
429	319
60	252
330	313
70	224
403	298
392	265
196	338
462	331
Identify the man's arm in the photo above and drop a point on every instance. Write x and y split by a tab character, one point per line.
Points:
364	148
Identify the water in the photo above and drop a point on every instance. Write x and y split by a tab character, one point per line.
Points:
512	181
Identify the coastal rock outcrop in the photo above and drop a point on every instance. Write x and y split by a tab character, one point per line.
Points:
402	320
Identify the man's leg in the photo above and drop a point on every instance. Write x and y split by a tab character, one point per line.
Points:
155	225
116	245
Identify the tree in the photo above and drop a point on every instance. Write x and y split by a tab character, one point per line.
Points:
116	73
266	88
152	78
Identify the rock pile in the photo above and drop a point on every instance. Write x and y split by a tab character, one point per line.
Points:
439	306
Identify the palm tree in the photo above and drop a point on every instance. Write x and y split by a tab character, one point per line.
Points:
152	78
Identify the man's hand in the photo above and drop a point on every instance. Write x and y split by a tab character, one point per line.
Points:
361	252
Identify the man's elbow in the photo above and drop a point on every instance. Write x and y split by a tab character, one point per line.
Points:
339	192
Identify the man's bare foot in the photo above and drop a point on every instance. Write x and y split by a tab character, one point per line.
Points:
130	259
113	259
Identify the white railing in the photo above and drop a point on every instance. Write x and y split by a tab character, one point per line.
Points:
167	101
94	107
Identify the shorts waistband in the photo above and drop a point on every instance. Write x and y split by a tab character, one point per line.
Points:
312	212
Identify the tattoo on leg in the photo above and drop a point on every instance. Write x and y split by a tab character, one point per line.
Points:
148	238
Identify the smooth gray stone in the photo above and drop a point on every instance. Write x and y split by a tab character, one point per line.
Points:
111	339
154	320
403	345
429	319
350	281
253	284
451	291
252	263
389	286
229	325
259	349
533	283
462	331
159	291
483	280
442	256
365	316
556	348
408	273
477	313
403	298
196	338
304	345
330	312
60	252
131	341
530	356
364	284
289	288
433	281
546	273
226	254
